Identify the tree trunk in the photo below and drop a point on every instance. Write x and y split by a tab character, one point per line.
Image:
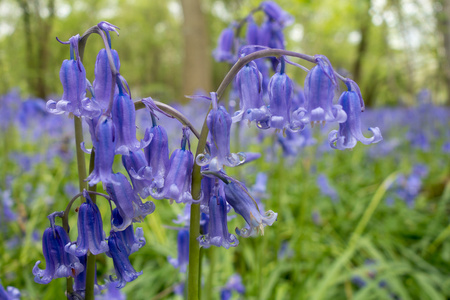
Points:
443	21
197	54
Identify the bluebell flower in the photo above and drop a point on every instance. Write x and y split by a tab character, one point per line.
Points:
183	251
320	86
130	206
224	50
276	13
280	97
251	34
103	78
91	236
252	106
234	284
11	293
446	147
218	234
124	119
73	79
177	184
112	292
119	253
350	130
7	213
133	242
104	144
407	187
359	281
271	35
59	263
157	156
219	125
79	282
243	203
140	173
325	187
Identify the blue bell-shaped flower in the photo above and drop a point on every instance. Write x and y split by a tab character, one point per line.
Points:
224	50
218	234
119	253
91	236
219	125
275	13
320	85
124	118
104	144
59	263
239	198
177	185
252	106
350	131
130	206
133	242
157	156
103	78
280	97
73	80
183	251
140	173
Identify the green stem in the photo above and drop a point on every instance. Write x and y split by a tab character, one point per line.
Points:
81	176
90	264
80	154
194	228
212	269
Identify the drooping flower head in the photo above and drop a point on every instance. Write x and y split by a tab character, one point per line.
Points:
91	236
140	173
276	13
183	251
124	118
224	50
112	292
234	284
133	242
104	144
320	86
157	152
128	203
59	263
350	131
11	293
79	282
177	184
218	234
119	253
103	78
280	97
239	198
219	125
252	107
326	189
73	80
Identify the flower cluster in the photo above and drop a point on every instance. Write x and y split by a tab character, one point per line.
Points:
110	113
277	101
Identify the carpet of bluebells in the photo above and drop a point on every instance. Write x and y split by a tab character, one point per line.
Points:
370	223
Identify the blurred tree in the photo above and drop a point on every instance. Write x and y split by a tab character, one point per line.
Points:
37	42
442	10
197	53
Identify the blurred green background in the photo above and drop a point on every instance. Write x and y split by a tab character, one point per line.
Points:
392	48
368	243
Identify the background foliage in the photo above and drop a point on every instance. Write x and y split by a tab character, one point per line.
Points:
320	247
